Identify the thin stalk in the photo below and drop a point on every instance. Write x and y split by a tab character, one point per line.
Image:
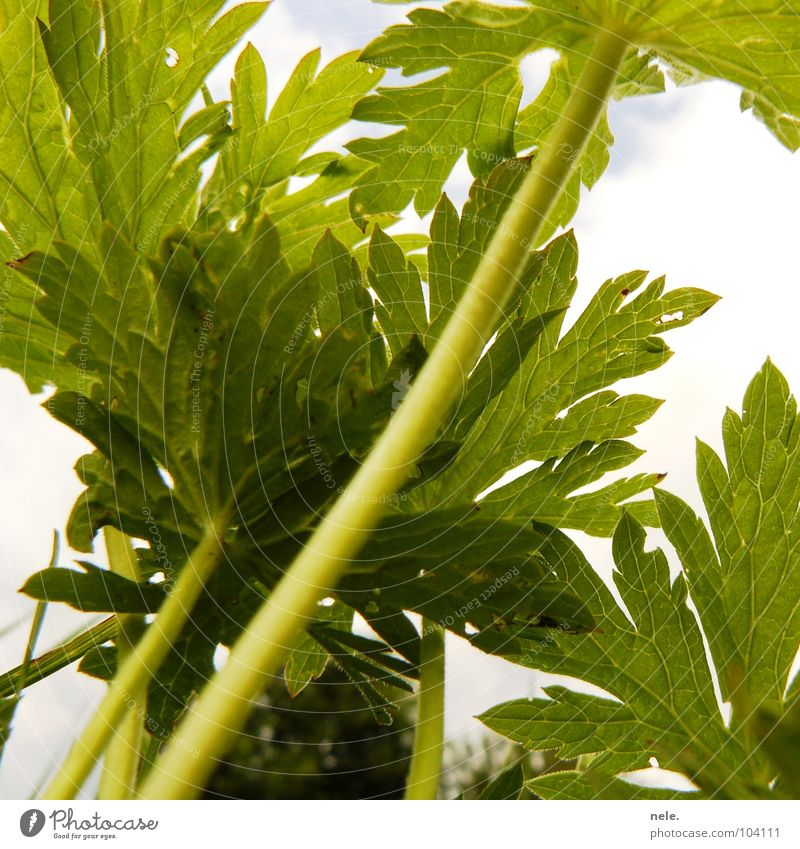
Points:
225	702
426	758
36	628
56	659
135	672
121	763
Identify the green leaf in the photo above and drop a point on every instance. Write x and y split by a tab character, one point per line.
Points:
226	359
555	405
184	672
43	188
300	215
309	658
653	664
754	46
584	786
99	662
266	151
571	723
480	578
401	309
508	785
127	98
778	733
92	109
127	77
473	104
744	578
94	590
305	664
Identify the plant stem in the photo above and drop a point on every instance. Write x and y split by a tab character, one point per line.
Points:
56	659
426	759
225	702
121	763
135	672
36	628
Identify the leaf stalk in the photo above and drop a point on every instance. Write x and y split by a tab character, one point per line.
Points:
428	752
121	763
225	702
136	671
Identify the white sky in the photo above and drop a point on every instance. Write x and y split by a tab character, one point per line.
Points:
696	191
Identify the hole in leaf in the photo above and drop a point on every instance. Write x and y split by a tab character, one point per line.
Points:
326	602
670	317
172	58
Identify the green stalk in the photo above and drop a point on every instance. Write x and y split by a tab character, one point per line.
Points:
36	628
121	763
426	758
56	659
225	702
134	674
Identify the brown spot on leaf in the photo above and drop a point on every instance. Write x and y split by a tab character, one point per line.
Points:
16	263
